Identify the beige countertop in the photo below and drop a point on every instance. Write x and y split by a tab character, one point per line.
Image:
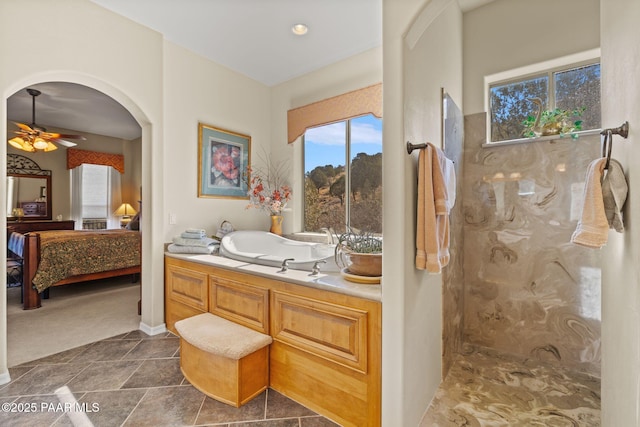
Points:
333	282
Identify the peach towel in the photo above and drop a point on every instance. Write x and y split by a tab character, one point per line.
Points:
593	228
432	225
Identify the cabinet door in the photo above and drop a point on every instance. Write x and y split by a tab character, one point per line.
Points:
188	287
327	330
240	302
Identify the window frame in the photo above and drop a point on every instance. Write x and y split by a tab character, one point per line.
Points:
545	68
347	169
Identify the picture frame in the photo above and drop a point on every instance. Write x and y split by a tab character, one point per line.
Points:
224	158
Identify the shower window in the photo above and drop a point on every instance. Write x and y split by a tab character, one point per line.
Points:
343	175
568	87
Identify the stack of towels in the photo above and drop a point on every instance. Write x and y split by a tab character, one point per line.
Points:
193	241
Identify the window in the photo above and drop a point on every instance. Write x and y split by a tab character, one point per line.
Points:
343	175
93	191
567	87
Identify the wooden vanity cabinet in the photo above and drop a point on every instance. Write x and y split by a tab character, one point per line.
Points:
326	350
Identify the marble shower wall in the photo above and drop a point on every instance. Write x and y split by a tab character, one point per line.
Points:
528	290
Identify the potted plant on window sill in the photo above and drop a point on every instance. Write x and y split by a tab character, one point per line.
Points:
360	253
552	122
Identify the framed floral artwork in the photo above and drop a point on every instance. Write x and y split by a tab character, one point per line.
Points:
223	160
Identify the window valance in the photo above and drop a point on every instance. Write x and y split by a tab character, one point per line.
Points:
352	104
77	157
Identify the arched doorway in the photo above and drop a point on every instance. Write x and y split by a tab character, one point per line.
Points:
152	314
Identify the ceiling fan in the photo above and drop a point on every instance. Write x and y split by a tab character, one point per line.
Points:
33	138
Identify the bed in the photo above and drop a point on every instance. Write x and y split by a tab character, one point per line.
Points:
53	258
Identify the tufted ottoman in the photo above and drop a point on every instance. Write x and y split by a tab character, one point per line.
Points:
224	360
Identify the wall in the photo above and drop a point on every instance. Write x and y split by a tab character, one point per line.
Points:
620	267
353	73
528	290
508	34
90	46
214	95
422	54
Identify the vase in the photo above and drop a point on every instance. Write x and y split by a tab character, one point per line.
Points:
276	224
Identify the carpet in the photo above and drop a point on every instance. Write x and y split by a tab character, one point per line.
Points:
74	315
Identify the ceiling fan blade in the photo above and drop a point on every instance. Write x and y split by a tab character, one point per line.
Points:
65	143
50	135
24	127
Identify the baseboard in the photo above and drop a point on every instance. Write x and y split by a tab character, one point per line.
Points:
5	377
153	330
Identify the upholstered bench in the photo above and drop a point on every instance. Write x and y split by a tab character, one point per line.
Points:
224	360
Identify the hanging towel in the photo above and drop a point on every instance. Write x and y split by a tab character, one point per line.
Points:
449	174
614	194
593	228
432	227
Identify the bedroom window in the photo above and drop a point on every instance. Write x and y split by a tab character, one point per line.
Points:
95	195
566	83
343	175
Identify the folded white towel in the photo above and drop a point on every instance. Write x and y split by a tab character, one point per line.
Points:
201	231
179	249
193	235
206	241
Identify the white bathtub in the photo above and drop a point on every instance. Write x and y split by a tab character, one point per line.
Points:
261	247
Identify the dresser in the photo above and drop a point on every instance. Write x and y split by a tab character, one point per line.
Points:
34	208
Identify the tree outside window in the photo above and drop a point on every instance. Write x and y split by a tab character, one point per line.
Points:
568	88
340	193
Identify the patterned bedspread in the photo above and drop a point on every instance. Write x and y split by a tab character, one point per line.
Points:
67	253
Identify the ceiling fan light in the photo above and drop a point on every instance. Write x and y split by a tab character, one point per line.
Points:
50	146
21	144
40	144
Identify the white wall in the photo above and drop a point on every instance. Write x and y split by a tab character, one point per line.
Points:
90	46
353	73
620	267
508	34
422	53
198	90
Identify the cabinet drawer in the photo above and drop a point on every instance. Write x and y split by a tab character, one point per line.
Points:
240	302
331	331
188	287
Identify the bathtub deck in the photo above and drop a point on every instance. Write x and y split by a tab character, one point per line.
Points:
483	390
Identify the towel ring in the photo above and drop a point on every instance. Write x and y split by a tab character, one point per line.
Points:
607	144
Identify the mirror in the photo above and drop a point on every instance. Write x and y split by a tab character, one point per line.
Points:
28	188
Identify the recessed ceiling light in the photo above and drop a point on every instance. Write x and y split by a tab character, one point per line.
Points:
299	29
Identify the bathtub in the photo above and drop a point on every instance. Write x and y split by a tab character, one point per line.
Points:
261	247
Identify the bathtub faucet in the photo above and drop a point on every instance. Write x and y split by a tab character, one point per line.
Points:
285	265
315	270
330	234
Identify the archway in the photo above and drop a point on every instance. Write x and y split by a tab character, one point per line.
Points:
152	313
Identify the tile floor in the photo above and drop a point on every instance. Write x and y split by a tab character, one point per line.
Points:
486	389
132	380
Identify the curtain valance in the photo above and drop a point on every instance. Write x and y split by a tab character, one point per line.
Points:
352	104
77	157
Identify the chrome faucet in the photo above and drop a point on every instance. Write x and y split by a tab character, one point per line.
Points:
330	234
316	267
285	265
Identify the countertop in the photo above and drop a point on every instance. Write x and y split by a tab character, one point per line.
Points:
333	282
